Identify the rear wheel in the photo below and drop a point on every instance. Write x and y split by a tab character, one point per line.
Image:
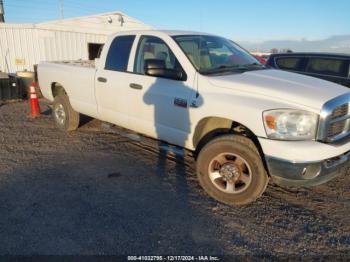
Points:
64	115
229	169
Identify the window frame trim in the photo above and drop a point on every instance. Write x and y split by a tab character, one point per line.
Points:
140	38
130	52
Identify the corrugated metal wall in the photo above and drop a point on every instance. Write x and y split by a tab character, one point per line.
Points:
23	47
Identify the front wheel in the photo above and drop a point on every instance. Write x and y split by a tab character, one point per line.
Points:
64	115
231	171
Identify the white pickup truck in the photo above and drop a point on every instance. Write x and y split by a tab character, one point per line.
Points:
244	122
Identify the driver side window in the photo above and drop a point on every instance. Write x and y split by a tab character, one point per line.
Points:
151	47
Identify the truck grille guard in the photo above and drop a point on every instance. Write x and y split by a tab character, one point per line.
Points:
334	122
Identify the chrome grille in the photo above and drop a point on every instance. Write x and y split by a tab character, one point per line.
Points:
340	111
335	129
334	121
338	125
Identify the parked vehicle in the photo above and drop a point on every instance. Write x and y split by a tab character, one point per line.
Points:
260	59
245	123
331	67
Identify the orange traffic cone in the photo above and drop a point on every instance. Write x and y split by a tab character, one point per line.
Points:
34	101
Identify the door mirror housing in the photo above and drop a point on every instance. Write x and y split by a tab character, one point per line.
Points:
157	68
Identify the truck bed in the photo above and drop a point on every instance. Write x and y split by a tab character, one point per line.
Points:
80	63
77	78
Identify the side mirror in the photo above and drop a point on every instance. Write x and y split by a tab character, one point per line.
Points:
157	68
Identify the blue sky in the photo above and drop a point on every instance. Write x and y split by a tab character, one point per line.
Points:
245	20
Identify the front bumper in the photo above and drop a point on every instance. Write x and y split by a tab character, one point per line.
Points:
312	164
307	174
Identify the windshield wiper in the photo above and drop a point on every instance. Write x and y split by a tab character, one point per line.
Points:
223	68
228	68
254	65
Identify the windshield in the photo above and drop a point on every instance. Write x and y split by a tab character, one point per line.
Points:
212	54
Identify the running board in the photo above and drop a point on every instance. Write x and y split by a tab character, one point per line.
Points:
131	136
171	149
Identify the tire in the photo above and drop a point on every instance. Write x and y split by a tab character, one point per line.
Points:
230	170
64	115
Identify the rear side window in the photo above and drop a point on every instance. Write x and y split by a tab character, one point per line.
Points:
118	54
289	63
325	66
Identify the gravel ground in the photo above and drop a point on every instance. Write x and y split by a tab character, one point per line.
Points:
96	192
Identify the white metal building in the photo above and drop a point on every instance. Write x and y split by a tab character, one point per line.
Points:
24	45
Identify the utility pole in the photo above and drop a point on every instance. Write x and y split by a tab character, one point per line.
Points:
61	8
2	12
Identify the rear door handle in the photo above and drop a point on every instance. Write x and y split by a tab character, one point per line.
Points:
102	79
136	86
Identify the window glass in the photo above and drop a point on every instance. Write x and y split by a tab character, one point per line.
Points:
210	53
151	47
288	63
326	66
118	54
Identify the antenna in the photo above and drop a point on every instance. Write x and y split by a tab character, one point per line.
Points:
61	8
199	49
200	37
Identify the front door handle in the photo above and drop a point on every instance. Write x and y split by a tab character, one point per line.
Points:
102	79
136	86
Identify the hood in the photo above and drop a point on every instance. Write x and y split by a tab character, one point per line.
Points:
282	85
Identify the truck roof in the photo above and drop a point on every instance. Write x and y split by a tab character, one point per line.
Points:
179	32
167	32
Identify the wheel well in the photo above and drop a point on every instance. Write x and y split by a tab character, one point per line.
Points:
57	89
211	127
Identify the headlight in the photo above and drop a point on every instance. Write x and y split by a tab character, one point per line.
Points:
289	124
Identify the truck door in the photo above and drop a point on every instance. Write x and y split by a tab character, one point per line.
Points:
161	105
112	82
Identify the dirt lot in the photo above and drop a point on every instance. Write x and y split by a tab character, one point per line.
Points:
96	192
